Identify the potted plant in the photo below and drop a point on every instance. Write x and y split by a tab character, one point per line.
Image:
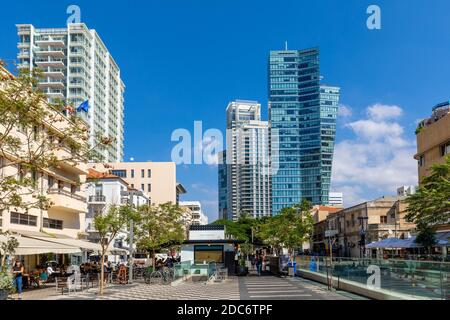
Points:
6	284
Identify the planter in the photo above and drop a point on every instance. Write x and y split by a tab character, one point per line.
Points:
3	294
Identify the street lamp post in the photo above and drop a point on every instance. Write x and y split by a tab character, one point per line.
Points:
362	242
131	194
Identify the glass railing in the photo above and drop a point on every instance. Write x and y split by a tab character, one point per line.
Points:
182	269
408	278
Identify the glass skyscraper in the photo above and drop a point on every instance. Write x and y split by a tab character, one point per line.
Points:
302	117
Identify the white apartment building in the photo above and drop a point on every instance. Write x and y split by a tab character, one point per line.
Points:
198	217
336	199
77	67
247	162
103	191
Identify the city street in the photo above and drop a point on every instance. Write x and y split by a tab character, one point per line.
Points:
244	288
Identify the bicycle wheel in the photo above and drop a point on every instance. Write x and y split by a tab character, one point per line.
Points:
156	277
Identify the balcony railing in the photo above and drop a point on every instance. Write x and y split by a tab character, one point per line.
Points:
66	193
97	198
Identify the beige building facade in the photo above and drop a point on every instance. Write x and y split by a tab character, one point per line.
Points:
380	218
433	139
63	185
433	143
156	179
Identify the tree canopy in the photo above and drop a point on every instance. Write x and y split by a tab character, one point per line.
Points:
430	205
33	134
160	225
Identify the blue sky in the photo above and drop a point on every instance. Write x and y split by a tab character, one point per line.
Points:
183	60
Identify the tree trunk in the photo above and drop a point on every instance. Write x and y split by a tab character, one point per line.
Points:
102	273
153	259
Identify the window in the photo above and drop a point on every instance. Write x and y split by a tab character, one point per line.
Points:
20	172
149	173
421	160
53	224
445	149
149	187
142	187
50	182
211	253
142	173
383	219
132	173
23	219
34	176
119	173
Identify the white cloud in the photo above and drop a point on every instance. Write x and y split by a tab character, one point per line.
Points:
377	160
344	111
380	112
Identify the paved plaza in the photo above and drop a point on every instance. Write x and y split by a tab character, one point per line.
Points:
235	288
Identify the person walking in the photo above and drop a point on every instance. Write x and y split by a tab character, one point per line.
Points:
18	273
258	262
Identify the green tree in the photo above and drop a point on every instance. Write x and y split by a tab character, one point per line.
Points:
160	226
426	236
291	228
430	205
7	248
32	137
108	226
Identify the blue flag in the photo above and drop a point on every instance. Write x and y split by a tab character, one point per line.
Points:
84	106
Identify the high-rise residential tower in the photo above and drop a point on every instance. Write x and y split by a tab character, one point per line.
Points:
247	167
77	67
302	117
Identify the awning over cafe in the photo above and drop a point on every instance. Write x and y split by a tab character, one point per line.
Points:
30	246
80	244
442	240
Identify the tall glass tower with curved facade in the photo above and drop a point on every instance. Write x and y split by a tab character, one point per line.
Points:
302	117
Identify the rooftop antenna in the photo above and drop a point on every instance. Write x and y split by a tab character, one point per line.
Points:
286	45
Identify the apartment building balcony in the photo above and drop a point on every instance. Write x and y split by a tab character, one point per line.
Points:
22	45
64	154
50	53
23	65
54	93
23	55
51	84
54	73
67	201
97	199
50	42
41	63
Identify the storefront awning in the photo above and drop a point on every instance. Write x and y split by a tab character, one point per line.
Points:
81	244
30	246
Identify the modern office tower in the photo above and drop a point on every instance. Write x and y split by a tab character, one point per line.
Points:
247	162
77	67
336	199
156	179
222	179
302	117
